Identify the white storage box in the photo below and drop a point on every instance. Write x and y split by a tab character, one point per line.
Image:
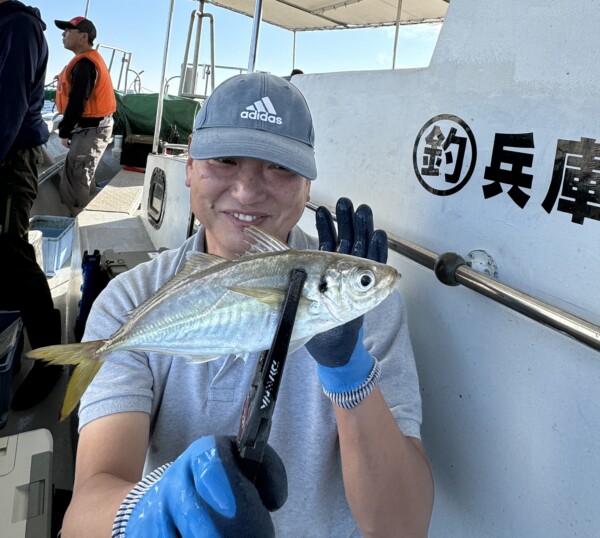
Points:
26	485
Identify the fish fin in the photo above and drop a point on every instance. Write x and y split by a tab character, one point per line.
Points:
68	353
263	242
199	359
198	261
82	376
268	296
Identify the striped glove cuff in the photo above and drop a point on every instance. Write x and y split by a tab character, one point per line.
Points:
351	398
132	499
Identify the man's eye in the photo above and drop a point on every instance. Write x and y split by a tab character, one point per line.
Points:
279	168
225	160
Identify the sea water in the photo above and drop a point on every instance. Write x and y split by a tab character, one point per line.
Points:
48	107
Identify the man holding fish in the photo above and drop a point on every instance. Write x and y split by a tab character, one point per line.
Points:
173	380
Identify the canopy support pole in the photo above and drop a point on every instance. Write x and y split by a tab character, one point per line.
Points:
398	14
161	91
294	51
258	11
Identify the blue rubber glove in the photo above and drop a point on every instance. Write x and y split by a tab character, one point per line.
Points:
344	364
204	493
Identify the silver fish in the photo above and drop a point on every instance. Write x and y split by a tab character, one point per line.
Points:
215	307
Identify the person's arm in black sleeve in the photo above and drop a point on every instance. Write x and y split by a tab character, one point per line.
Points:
19	53
83	78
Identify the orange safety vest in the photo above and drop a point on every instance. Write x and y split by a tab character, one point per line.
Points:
102	101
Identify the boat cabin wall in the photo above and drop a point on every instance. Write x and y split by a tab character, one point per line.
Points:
491	147
165	208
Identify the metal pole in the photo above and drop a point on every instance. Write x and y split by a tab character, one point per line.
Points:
574	326
294	52
187	53
258	9
125	65
200	16
161	91
398	15
87	7
212	52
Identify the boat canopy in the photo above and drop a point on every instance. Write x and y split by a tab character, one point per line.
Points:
302	15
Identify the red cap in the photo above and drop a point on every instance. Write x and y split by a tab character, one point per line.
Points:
78	23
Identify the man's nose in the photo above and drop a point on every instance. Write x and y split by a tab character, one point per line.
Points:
249	187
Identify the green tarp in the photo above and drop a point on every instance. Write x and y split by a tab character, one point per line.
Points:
136	114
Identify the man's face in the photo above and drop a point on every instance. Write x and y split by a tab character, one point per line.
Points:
74	39
231	193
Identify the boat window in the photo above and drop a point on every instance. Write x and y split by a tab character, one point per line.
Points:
156	197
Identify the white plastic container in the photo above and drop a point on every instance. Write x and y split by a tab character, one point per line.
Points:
26	484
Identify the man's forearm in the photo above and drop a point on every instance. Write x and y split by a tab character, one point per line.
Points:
94	506
387	479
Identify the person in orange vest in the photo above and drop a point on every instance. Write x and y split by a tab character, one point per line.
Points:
86	98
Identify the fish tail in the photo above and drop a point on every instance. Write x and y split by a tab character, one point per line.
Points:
82	376
67	354
87	363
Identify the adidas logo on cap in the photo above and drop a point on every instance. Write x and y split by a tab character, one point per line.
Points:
262	110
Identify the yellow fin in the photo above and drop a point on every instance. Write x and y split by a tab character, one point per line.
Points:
81	378
68	353
268	296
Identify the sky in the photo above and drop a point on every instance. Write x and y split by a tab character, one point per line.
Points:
140	26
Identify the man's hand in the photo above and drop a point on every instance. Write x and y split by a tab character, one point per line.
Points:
204	493
66	142
344	364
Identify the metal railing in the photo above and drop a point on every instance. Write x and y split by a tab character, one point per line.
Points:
209	76
189	72
451	269
124	68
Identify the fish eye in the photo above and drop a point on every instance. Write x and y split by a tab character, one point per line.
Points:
366	279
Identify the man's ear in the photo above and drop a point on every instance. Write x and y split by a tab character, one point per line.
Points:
189	166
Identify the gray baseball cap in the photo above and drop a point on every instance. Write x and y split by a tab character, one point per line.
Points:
260	116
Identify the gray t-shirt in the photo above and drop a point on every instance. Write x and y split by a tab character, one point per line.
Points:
188	400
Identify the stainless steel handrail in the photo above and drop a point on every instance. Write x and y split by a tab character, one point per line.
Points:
125	61
172	145
197	16
582	330
50	171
